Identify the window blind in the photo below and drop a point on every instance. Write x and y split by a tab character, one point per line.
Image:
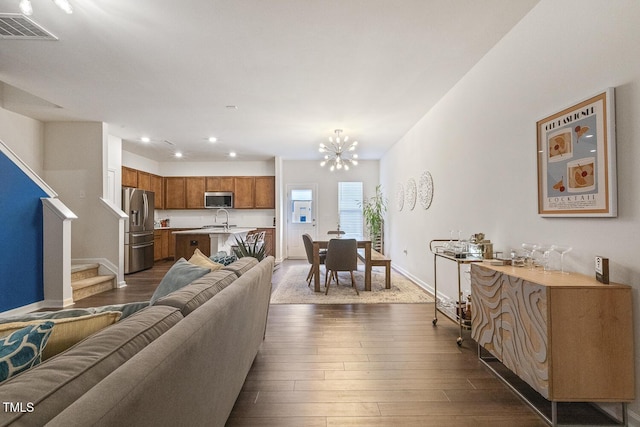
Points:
350	207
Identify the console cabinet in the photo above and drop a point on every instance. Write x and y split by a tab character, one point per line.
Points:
568	336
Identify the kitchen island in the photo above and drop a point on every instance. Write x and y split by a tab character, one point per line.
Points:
209	240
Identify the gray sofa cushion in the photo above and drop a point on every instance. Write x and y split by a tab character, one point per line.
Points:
198	292
57	383
242	265
179	275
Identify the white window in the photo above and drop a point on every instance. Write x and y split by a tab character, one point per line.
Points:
350	207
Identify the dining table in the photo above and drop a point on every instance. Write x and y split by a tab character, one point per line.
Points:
322	244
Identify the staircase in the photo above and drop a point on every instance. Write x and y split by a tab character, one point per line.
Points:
85	281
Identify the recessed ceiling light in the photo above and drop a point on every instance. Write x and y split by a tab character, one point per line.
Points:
212	139
145	139
232	154
232	107
178	154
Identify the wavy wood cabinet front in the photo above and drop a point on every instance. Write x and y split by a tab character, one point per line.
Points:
568	336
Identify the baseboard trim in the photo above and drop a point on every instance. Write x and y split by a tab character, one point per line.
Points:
414	279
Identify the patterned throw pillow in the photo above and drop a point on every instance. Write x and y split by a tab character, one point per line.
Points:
223	258
23	349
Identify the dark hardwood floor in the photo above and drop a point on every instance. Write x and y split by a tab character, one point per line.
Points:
358	365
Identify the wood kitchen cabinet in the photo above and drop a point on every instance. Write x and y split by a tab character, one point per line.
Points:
243	197
144	180
157	186
265	192
174	192
194	191
129	177
161	240
219	183
568	336
186	245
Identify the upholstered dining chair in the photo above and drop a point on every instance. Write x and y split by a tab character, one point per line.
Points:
308	247
342	255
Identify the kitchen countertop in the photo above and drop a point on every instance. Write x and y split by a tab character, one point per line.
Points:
233	230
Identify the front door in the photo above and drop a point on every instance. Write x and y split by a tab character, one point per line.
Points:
301	217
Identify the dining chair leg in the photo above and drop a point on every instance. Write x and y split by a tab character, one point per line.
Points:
310	275
353	283
327	281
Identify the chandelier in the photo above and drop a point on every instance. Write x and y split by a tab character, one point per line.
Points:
27	9
338	152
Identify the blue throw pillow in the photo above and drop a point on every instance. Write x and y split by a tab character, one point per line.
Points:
179	275
23	349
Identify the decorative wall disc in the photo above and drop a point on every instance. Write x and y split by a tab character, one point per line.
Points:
399	196
425	189
411	194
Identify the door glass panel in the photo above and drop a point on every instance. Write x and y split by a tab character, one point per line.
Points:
301	205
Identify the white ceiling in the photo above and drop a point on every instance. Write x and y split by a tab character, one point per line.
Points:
296	69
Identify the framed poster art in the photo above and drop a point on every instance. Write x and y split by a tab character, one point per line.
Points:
577	160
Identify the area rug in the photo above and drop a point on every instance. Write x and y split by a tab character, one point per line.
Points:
293	289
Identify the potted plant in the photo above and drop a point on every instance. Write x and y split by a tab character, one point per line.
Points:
253	249
373	210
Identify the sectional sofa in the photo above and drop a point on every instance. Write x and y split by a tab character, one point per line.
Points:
180	361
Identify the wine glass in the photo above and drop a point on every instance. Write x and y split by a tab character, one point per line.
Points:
529	249
544	250
561	250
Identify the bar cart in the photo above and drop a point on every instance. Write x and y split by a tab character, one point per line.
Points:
439	249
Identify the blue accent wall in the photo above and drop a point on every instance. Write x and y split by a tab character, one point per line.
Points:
21	276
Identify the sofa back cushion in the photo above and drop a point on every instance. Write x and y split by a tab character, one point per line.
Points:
198	292
242	265
55	384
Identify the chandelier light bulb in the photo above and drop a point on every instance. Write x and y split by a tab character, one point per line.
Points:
355	162
332	168
355	156
346	138
25	7
339	166
346	167
322	163
321	149
326	157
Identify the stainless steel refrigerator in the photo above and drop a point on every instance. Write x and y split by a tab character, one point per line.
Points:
138	230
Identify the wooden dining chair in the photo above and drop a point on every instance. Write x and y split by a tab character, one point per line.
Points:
342	255
308	247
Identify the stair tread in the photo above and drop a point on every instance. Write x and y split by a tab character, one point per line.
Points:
90	281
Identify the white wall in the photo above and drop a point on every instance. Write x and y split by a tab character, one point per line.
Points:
25	138
310	172
74	167
479	143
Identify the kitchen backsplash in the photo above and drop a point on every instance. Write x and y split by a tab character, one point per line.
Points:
196	218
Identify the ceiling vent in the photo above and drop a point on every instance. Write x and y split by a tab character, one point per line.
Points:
19	27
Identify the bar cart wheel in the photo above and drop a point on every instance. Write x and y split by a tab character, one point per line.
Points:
435	321
459	341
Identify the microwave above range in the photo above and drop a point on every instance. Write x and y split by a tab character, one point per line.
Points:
218	199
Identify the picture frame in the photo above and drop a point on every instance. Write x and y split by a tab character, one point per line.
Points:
576	152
